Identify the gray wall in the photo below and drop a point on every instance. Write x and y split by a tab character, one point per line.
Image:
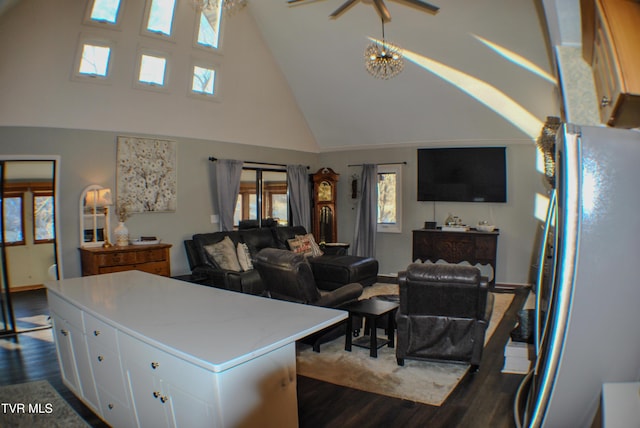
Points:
515	219
89	157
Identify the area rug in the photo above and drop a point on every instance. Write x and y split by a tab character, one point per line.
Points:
420	381
36	405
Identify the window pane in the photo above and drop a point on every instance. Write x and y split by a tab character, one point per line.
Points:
43	218
152	70
279	208
95	60
13	229
237	214
161	16
105	10
209	28
203	80
253	207
387	198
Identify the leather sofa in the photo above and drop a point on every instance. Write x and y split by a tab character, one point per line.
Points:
331	270
288	276
444	313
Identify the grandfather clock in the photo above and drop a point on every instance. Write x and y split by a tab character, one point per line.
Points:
324	212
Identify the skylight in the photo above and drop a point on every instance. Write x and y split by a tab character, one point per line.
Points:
95	60
161	17
209	27
105	11
152	70
203	80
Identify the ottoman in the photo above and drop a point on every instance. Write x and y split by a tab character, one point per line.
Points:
333	271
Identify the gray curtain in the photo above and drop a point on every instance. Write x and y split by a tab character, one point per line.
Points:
364	240
299	199
227	177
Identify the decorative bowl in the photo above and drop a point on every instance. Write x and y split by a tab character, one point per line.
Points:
485	227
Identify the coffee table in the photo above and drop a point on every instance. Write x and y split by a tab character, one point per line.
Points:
370	310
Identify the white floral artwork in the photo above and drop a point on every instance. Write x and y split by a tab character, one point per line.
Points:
146	175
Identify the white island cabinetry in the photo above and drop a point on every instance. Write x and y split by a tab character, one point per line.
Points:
149	351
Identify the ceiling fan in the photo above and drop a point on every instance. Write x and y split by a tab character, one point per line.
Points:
380	7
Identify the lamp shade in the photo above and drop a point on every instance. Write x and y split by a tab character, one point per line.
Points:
98	198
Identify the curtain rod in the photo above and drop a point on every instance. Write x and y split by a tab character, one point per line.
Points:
385	163
213	159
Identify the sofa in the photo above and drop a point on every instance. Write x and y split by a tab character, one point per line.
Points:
331	269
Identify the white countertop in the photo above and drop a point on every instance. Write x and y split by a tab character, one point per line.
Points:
215	329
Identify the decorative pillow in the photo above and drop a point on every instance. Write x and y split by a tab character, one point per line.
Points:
315	248
300	246
224	254
244	257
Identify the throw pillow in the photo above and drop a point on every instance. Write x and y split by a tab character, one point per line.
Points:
224	254
315	248
244	257
300	246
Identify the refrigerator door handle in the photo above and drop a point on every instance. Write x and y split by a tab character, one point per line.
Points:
543	254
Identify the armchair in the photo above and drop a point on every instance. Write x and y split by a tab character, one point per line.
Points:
288	276
444	313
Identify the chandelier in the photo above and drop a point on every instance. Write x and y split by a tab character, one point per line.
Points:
383	60
229	7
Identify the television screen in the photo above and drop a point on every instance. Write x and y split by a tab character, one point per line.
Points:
474	174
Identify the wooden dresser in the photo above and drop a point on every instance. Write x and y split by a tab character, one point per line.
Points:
152	258
455	247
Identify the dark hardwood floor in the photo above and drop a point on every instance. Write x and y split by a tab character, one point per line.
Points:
483	399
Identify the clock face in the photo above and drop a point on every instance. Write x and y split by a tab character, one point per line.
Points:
324	191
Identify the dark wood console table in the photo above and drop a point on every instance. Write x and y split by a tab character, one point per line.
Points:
454	247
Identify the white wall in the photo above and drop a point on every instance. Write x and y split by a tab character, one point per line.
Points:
38	44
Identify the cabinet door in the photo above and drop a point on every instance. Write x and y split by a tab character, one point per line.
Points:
64	346
189	411
151	404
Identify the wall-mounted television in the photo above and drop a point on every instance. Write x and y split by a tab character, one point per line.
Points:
466	174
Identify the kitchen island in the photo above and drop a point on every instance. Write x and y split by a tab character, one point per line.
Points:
145	350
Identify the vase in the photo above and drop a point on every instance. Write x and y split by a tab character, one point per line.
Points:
122	234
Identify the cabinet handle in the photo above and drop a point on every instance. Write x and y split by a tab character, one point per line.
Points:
605	101
156	394
64	332
110	406
164	399
154	365
100	358
96	332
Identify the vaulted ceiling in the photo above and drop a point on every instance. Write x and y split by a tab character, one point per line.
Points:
477	71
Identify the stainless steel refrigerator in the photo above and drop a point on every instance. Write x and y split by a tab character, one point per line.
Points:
588	300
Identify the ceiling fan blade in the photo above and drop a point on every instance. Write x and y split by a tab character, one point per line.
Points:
422	5
339	11
382	10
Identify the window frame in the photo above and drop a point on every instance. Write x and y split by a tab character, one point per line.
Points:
36	194
95	40
14	195
197	62
157	34
167	69
100	23
397	226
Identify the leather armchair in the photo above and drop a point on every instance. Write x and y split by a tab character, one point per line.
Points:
288	276
444	313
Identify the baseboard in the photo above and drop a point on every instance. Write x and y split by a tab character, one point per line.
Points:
26	288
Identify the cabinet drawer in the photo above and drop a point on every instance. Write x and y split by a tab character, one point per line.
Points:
158	268
131	257
198	381
65	310
114	412
100	332
107	370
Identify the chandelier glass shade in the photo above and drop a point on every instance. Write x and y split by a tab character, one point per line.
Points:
383	60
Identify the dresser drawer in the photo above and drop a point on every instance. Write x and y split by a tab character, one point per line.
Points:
158	268
198	381
65	310
131	257
100	332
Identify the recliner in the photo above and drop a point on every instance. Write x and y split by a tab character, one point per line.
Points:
444	313
288	276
